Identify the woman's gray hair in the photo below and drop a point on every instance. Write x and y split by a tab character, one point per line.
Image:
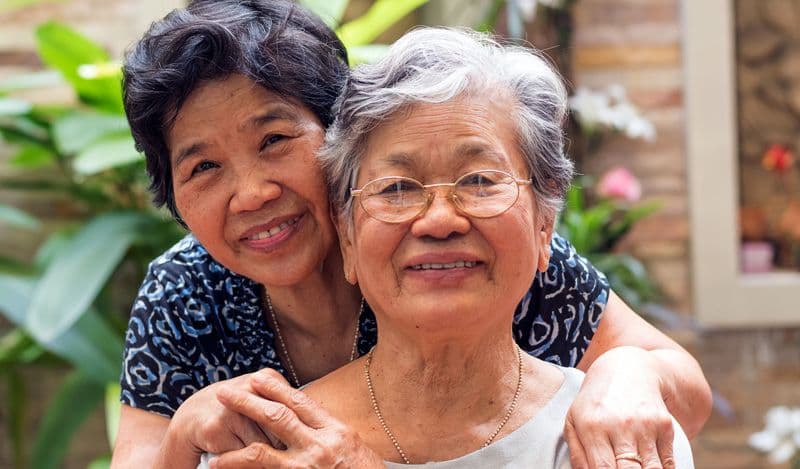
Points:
437	65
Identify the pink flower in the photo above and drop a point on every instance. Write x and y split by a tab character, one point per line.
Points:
619	183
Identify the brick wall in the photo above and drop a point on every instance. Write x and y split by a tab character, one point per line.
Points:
637	43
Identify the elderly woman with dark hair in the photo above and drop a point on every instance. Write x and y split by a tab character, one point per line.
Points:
229	100
447	169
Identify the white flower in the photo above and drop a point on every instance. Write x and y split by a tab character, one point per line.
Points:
610	110
527	8
554	4
781	435
642	128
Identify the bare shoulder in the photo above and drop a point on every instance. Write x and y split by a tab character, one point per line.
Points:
343	392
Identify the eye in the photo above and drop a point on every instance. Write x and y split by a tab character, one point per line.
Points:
271	139
203	166
478	179
393	187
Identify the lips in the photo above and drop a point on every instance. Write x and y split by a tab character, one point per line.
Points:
442	261
271	236
444	266
275	230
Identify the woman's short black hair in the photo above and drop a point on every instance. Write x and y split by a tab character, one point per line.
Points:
276	43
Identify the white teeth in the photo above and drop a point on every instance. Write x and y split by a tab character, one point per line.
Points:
451	265
275	230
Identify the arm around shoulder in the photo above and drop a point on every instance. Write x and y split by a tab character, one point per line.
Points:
683	385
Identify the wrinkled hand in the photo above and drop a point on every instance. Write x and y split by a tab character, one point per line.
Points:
202	424
311	436
620	409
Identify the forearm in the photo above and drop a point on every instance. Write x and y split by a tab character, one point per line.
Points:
682	384
175	452
684	389
139	438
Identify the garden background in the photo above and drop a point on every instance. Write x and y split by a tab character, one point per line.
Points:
60	193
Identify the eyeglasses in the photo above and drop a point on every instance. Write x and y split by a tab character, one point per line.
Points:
480	194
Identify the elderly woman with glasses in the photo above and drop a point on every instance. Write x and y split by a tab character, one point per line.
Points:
446	168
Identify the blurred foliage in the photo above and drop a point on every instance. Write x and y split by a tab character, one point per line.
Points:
595	226
69	305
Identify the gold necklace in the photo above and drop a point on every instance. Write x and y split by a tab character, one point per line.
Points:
389	433
285	351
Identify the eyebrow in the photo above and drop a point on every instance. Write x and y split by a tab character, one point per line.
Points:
474	150
466	151
276	112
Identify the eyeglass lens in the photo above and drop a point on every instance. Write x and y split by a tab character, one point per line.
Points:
480	194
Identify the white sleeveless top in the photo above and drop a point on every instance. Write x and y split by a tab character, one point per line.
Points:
537	443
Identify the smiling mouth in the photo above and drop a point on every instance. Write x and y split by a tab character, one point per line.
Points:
449	265
273	231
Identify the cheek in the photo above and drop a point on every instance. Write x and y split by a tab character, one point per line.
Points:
200	208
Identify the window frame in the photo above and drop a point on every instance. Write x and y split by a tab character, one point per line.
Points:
724	297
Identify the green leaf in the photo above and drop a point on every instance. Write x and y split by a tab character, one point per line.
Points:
15	294
10	5
44	79
66	50
50	248
382	15
75	131
369	53
78	273
18	218
90	344
22	129
33	156
331	11
13	266
78	396
490	17
113	409
107	153
18	348
16	408
14	107
103	462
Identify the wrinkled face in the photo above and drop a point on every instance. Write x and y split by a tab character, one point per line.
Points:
247	182
445	266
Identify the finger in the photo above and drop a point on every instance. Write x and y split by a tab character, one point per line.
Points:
598	450
577	455
648	451
246	431
666	438
273	417
627	457
271	385
227	430
257	455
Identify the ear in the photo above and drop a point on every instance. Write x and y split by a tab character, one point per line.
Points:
343	229
545	237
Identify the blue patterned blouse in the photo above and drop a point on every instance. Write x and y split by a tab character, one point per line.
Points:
195	322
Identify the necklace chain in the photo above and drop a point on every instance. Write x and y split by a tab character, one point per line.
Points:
391	436
289	364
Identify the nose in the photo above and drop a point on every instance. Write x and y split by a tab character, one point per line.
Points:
441	219
251	190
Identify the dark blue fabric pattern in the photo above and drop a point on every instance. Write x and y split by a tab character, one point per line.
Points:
195	322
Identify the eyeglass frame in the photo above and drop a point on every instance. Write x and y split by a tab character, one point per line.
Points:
431	195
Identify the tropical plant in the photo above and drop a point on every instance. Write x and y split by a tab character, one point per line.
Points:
595	223
68	306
